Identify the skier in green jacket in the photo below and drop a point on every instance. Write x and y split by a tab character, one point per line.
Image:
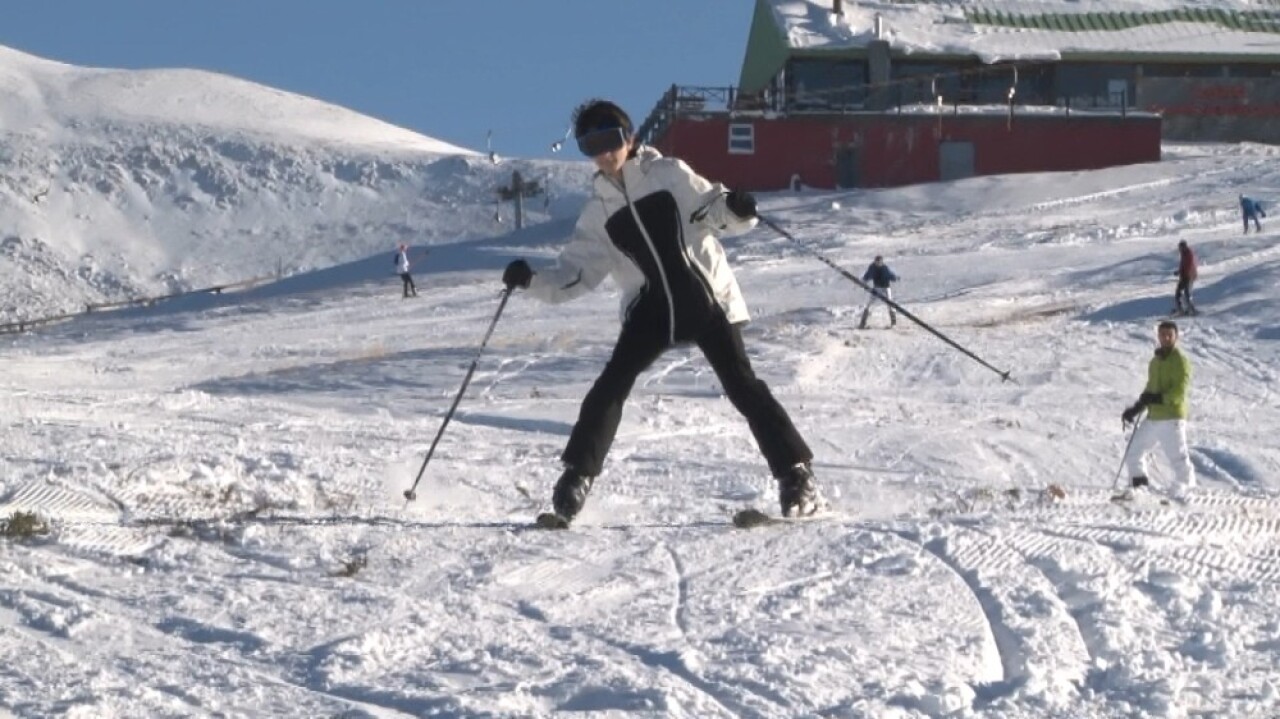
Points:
1165	400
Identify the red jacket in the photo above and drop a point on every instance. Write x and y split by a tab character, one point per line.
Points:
1186	263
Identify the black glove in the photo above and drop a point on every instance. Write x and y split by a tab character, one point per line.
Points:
741	203
1149	398
517	274
1130	415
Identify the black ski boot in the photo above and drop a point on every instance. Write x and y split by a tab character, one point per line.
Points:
570	494
1138	484
797	492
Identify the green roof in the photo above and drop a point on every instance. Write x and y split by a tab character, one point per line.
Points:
767	50
1243	20
1223	35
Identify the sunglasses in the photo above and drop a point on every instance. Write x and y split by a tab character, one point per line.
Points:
598	142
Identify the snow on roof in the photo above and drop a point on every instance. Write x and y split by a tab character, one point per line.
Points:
1004	30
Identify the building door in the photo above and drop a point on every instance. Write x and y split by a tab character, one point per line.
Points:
1118	93
955	160
847	167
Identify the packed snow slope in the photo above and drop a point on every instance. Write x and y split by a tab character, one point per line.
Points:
117	184
222	478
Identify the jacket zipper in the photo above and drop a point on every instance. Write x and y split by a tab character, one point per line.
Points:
657	260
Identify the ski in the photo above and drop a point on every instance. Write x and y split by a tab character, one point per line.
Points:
750	518
1145	497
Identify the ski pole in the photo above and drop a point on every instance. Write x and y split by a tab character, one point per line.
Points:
849	276
1125	456
410	494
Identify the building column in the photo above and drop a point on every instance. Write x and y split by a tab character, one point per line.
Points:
881	97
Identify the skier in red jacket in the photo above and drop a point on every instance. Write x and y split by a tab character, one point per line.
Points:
1186	278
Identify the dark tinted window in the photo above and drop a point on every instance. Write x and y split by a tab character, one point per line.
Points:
1095	84
826	84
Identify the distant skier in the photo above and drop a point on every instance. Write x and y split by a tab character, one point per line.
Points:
402	266
1165	400
1186	278
1251	209
880	277
651	224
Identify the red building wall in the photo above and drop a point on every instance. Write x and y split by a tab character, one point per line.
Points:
897	150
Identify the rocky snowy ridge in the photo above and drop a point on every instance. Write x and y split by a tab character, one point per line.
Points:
117	184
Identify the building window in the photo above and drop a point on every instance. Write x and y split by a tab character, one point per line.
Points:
1095	85
1176	69
825	85
742	139
922	82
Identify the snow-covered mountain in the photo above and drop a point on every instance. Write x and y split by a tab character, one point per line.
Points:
118	183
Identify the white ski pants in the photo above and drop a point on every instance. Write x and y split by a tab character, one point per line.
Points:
1170	435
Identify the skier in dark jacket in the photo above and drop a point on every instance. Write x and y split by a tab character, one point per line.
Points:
651	224
1251	209
880	277
1186	278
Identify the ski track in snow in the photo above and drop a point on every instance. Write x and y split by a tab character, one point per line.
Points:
1030	577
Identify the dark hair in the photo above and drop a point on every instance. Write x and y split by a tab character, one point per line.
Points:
597	114
1168	324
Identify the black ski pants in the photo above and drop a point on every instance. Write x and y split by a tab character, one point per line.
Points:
410	289
639	345
1183	293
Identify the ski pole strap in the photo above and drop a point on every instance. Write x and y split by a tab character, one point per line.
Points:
700	214
850	276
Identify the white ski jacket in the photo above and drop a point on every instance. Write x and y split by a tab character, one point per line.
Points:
655	232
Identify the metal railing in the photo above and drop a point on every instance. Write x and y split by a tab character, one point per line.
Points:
679	100
684	100
90	308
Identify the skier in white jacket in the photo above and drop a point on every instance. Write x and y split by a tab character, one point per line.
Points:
651	224
402	266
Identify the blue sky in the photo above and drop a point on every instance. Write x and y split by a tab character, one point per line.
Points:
451	69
